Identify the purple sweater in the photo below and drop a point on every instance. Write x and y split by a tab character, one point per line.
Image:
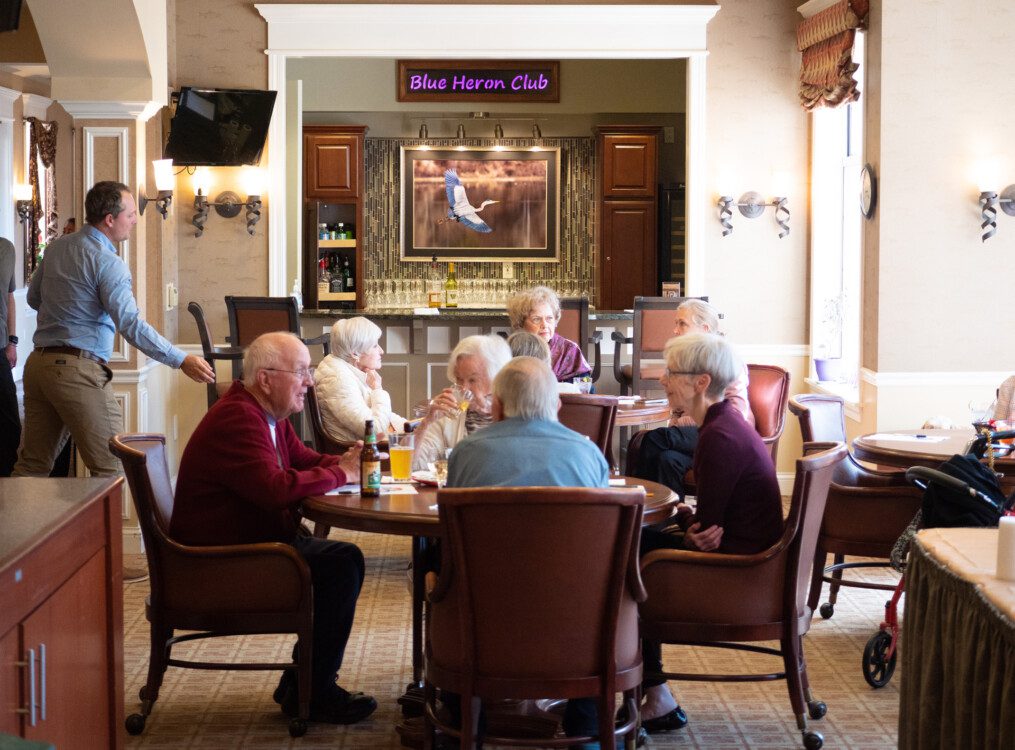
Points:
737	486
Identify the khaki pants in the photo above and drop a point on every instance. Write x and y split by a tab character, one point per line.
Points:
64	392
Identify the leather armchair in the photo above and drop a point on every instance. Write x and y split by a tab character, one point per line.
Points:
592	416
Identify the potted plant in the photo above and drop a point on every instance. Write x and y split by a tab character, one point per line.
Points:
828	352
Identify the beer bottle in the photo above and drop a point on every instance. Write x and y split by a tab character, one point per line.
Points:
370	464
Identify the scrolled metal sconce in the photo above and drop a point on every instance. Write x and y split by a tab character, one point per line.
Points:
989	201
751	205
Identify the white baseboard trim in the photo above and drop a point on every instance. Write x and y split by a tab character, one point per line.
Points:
132	541
786	479
960	378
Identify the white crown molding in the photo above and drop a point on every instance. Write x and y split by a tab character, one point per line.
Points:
7	99
518	31
36	105
94	110
813	7
907	379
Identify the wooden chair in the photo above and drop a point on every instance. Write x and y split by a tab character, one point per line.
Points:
574	325
494	634
592	416
212	353
653	327
866	510
215	591
713	599
768	393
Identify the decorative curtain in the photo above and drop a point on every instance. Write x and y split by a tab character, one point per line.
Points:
826	41
42	147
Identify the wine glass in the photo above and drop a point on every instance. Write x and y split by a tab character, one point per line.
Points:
981	411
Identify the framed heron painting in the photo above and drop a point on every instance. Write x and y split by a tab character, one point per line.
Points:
480	204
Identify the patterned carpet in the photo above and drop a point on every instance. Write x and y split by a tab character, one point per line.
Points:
221	710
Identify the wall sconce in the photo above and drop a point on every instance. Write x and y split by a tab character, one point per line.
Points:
23	201
228	204
989	200
164	182
424	132
751	205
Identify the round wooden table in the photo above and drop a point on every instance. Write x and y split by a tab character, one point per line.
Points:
642	412
910	450
416	516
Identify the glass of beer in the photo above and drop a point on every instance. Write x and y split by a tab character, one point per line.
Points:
400	450
463	396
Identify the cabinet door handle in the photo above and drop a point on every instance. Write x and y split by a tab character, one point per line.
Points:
42	681
31	686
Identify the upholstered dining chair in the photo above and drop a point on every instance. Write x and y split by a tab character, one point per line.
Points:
592	416
866	511
768	394
494	634
214	591
724	600
653	327
574	325
213	354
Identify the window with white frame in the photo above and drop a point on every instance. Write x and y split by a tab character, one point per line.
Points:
836	161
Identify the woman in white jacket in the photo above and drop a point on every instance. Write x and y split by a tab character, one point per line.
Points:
474	363
348	382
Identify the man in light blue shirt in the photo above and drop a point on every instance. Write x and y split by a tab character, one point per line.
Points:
527	447
82	290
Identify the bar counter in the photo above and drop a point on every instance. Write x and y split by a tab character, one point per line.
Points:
444	314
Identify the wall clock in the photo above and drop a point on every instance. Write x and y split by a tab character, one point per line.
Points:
868	190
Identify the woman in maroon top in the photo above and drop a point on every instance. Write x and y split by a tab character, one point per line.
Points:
538	312
739	507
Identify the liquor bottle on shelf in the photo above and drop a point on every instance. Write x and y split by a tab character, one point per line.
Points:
341	230
370	464
451	288
435	294
348	282
350	232
322	232
323	281
337	284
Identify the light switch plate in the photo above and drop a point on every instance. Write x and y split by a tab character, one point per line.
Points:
509	270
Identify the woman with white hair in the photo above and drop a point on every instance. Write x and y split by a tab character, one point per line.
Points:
348	382
739	505
473	365
538	311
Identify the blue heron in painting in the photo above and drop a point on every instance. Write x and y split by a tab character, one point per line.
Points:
460	209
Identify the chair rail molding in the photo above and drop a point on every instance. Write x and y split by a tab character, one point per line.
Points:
959	378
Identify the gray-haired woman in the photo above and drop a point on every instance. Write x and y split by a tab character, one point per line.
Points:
472	366
348	382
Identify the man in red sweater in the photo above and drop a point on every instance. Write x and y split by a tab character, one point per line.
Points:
241	480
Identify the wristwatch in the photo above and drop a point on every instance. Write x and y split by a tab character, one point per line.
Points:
12	340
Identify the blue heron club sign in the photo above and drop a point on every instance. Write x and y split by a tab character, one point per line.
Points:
478	81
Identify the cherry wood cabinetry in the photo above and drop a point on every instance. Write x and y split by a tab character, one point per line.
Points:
627	157
61	624
333	183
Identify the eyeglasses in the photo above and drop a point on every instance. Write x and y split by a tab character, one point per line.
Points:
670	373
303	373
537	320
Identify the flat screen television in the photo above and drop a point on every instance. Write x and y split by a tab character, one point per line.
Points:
219	127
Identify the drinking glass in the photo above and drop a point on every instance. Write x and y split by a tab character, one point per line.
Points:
440	470
981	411
584	384
400	447
463	396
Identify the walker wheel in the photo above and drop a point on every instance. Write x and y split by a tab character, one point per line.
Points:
135	724
877	669
297	727
827	610
816	709
813	740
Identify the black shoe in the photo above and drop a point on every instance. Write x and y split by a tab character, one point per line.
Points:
675	719
287	680
339	706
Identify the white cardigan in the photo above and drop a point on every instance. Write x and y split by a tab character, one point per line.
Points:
347	402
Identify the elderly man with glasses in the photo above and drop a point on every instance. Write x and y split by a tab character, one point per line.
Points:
241	480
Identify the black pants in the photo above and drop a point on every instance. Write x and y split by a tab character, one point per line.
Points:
10	421
336	574
666	455
652	651
580	715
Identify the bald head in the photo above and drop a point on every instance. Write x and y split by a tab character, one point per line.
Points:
526	387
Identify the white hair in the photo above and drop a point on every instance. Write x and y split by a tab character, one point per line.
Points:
491	349
704	353
266	351
351	337
702	313
526	387
520	305
525	344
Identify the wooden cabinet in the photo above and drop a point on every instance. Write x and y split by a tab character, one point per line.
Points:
333	180
628	166
61	626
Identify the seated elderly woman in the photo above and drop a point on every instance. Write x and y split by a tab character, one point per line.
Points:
739	505
538	311
348	382
472	366
525	344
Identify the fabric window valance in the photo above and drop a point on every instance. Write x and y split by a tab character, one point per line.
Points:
826	42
